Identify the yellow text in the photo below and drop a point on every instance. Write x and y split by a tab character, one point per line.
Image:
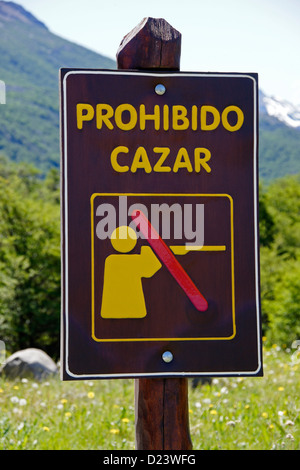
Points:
179	118
160	160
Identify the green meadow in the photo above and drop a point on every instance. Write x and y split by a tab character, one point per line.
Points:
257	413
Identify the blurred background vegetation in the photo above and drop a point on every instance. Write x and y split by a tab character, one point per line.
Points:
30	258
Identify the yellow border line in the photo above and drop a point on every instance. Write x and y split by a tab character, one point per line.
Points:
113	340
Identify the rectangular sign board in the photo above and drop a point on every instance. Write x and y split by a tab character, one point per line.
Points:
160	249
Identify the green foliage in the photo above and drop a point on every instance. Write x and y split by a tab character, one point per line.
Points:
280	260
266	222
29	259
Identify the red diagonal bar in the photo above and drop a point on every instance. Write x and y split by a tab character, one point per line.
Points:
169	260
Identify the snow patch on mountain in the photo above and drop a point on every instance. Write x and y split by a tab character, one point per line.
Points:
282	110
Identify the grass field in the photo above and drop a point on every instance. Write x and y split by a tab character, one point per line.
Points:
230	414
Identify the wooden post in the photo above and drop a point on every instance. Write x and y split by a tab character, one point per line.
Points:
152	44
161	405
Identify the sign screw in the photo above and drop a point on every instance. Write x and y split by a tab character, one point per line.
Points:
160	89
167	356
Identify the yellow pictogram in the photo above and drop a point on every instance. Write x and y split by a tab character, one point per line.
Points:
123	295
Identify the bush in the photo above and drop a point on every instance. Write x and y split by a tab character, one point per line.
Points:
280	262
29	261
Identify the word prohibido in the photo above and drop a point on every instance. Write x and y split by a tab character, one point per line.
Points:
179	118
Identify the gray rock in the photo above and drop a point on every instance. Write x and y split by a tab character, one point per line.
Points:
29	363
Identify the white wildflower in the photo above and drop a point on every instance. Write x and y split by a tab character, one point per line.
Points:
230	423
289	422
20	426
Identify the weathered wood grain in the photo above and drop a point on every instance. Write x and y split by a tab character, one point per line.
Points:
152	44
162	418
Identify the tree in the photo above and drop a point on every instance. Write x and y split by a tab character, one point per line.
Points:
280	262
29	261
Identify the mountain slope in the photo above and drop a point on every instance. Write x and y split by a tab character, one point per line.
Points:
279	137
279	149
30	59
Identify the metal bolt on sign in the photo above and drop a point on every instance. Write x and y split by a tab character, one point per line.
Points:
160	89
167	356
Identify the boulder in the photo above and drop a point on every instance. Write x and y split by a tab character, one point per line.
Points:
29	363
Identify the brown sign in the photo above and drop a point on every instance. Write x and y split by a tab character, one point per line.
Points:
159	224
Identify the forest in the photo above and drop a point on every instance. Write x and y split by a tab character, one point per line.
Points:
30	269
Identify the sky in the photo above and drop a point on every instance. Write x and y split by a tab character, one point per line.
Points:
261	36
